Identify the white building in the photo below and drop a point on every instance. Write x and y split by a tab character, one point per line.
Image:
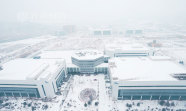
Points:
127	50
80	61
32	77
90	61
147	78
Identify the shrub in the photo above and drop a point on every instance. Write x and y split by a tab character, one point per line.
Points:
172	104
1	101
85	104
162	102
33	108
89	102
167	104
129	105
138	104
163	109
96	103
24	103
29	104
45	107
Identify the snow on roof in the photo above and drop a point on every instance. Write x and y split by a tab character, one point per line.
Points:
87	54
22	69
144	69
57	55
126	47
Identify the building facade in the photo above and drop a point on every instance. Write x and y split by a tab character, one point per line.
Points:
149	90
88	62
40	81
154	78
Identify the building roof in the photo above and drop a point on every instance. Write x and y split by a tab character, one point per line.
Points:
144	69
126	47
23	69
57	55
87	55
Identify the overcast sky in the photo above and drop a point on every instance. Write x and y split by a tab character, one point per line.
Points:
92	11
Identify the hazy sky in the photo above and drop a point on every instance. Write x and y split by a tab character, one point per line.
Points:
92	11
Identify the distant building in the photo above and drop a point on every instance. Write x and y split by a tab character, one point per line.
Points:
60	33
154	43
102	32
147	78
97	32
133	32
32	78
69	29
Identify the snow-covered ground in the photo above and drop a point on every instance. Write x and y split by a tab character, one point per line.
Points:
22	104
137	105
24	48
73	101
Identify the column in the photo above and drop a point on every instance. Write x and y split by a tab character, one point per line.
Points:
169	97
179	97
4	94
159	97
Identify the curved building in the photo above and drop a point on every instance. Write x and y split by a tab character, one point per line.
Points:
87	61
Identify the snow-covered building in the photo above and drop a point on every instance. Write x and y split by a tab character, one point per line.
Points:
127	50
32	77
80	61
147	78
90	62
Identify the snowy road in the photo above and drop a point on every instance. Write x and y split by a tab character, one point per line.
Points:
104	101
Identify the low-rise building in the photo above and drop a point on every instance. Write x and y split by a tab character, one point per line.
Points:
127	50
80	61
32	77
147	78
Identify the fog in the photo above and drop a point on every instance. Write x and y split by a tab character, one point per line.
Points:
21	19
92	11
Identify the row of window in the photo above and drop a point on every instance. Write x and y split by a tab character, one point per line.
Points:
10	94
73	70
60	79
19	91
130	54
122	92
153	97
92	70
88	63
152	94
